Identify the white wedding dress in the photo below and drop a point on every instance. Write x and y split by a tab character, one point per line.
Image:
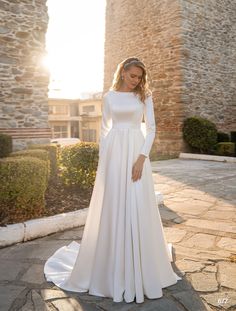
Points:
123	253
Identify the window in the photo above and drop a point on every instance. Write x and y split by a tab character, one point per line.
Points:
89	108
58	109
89	135
59	131
74	111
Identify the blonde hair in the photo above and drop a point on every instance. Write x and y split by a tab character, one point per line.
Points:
142	89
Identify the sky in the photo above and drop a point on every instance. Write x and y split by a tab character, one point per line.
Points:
75	47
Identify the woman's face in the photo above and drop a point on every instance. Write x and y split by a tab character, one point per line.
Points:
132	77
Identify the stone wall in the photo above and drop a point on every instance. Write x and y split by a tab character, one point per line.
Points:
24	81
209	61
175	39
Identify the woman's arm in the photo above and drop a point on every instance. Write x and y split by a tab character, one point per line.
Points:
106	122
150	123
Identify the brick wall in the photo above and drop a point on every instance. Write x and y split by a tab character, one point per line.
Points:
188	48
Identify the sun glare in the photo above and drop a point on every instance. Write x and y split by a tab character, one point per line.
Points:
75	47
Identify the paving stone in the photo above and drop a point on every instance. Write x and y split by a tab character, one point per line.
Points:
210	268
219	215
193	193
190	300
201	254
213	225
32	250
166	214
172	197
191	207
200	240
204	282
184	285
225	299
174	235
108	305
227	274
224	206
71	304
185	265
160	304
49	294
34	275
228	244
9	269
8	294
28	306
179	220
90	298
74	234
38	302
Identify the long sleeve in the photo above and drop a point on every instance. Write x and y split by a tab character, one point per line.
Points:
150	123
106	122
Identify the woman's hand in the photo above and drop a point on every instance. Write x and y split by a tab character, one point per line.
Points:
138	167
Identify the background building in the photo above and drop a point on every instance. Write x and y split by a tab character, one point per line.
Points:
75	118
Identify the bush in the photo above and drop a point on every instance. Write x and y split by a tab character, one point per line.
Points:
5	145
222	137
233	136
200	133
53	156
225	148
22	188
79	164
37	153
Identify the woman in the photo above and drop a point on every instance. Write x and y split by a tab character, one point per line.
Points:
123	253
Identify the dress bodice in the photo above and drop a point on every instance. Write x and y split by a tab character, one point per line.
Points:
124	110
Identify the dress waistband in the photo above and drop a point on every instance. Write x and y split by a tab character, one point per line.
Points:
126	126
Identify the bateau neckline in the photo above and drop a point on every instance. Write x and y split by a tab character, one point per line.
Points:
123	92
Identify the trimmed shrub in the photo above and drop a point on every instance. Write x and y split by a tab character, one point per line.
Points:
200	133
233	136
37	153
79	164
225	148
222	137
5	145
53	156
22	188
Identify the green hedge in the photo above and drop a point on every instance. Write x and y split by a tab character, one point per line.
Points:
79	164
222	137
5	145
53	156
37	153
233	136
200	133
22	188
225	148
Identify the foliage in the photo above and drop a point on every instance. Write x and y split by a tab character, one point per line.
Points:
5	145
79	164
22	187
200	133
53	156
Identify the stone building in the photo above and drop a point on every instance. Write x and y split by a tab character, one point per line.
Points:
24	81
189	48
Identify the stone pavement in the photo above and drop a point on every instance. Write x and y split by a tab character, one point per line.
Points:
199	217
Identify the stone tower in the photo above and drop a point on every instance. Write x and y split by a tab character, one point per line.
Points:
24	81
189	48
